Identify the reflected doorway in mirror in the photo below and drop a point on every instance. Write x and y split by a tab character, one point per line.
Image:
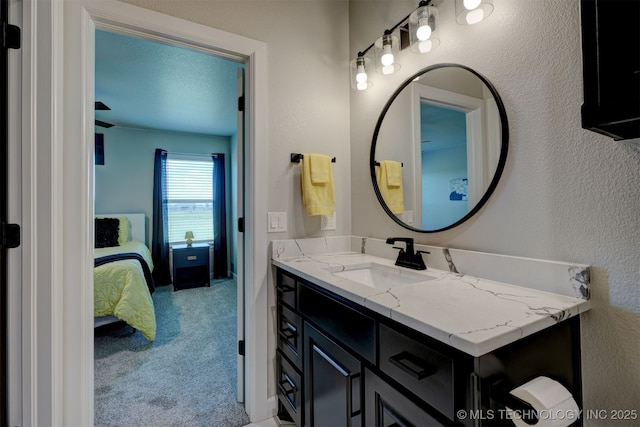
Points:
403	133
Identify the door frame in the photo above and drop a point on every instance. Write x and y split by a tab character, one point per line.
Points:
14	297
473	108
60	390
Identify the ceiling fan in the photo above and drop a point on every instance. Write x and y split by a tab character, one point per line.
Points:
101	106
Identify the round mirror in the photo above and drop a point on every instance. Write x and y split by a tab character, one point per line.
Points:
439	148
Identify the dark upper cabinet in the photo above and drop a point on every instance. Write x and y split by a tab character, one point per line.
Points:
611	67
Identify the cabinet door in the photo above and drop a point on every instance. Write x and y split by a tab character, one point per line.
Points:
332	381
387	407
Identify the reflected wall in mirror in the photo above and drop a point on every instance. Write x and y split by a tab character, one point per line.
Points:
439	148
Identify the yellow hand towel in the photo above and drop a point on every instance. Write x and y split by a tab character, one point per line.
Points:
392	194
318	199
320	168
394	173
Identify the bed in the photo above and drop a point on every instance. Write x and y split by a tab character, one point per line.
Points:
122	274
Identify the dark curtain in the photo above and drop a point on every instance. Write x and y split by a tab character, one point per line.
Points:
219	218
160	246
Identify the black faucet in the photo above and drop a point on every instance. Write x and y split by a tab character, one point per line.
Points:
407	257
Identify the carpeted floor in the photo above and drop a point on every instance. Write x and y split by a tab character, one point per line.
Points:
186	377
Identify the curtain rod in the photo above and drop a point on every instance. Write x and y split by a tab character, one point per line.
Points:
192	154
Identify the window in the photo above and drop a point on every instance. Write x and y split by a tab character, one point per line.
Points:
190	197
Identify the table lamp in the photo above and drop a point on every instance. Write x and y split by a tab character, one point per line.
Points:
189	236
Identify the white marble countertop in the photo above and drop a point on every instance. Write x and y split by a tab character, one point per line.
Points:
471	314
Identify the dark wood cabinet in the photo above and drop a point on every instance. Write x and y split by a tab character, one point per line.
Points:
191	266
290	390
388	407
332	382
611	67
340	364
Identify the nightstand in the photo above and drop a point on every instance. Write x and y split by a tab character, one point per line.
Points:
190	266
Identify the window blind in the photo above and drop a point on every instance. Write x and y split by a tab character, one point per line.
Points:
190	198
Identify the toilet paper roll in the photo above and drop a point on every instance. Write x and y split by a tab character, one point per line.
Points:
554	404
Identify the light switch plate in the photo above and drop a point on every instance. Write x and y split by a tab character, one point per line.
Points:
328	222
276	222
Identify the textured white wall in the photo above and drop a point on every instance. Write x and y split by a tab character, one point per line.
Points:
566	193
307	43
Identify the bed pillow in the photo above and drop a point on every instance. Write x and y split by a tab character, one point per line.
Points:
106	232
124	230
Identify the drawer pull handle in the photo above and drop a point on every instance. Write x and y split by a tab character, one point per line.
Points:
287	382
192	258
354	392
287	334
413	365
285	288
290	391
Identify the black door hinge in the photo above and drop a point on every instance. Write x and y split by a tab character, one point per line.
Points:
241	224
9	236
241	103
10	36
241	347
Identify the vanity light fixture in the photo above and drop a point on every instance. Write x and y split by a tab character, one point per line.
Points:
386	50
422	29
469	12
422	37
360	68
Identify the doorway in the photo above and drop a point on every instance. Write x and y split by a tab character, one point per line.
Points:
76	333
156	94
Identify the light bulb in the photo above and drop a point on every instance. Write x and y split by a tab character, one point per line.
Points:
475	16
361	73
471	4
361	76
425	46
387	55
424	30
361	85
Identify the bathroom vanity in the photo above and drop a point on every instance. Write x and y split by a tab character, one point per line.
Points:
361	341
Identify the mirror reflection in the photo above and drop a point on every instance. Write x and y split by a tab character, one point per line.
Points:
439	148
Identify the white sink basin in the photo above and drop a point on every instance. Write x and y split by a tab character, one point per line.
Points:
378	275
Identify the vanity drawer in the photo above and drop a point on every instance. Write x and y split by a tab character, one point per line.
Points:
290	335
289	388
354	329
191	256
286	289
424	371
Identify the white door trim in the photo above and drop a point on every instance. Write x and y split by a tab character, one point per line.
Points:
239	236
474	111
71	186
38	400
15	292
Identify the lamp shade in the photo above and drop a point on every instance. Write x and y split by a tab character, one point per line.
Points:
422	29
360	73
386	49
469	12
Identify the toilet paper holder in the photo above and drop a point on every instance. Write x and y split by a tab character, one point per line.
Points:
500	393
